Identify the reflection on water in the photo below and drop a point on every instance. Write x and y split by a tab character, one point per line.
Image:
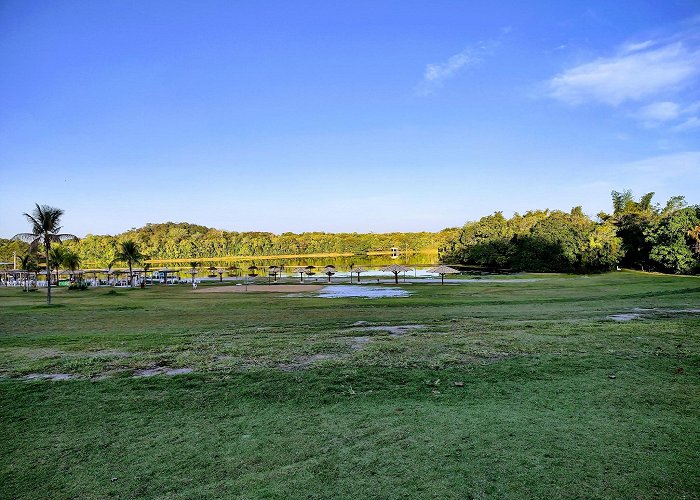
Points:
416	261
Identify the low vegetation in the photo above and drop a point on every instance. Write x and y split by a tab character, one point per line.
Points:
528	386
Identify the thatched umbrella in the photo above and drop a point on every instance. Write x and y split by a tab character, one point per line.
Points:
396	269
329	271
220	272
252	270
357	270
272	272
310	270
301	271
233	270
442	271
212	272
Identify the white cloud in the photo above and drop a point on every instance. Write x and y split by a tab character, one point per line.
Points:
634	47
437	72
680	118
690	124
658	168
657	112
629	76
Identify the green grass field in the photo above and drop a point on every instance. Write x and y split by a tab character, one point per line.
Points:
500	390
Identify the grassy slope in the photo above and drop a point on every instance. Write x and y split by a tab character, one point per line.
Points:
538	414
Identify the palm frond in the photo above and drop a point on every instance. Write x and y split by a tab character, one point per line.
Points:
26	237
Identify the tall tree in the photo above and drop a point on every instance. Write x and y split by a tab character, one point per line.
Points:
128	251
45	221
28	264
72	261
671	246
56	257
694	234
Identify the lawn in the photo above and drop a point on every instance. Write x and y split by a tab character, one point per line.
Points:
503	389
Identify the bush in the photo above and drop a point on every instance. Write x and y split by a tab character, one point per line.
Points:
78	285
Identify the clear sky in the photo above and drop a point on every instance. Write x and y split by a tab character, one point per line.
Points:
342	116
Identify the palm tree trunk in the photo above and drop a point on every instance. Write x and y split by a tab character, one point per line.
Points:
48	274
131	276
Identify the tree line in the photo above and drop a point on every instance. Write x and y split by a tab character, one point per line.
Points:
190	241
638	234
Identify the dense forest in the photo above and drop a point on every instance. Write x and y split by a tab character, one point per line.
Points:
638	234
189	241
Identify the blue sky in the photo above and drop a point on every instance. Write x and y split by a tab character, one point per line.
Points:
342	116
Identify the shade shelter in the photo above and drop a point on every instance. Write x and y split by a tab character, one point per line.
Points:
357	270
310	270
442	271
164	272
301	271
329	271
252	271
272	272
395	269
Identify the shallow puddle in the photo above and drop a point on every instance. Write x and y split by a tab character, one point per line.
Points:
360	291
651	313
49	376
624	316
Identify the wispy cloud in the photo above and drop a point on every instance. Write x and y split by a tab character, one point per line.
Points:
685	164
435	74
658	112
648	79
668	112
630	47
691	123
628	76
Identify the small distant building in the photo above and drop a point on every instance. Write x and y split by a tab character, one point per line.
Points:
394	252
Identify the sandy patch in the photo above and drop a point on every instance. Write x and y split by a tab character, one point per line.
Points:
260	288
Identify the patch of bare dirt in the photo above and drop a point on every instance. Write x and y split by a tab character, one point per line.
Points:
392	330
303	362
161	370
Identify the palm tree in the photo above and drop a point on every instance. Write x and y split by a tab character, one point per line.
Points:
146	267
128	252
57	255
28	264
45	221
72	261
